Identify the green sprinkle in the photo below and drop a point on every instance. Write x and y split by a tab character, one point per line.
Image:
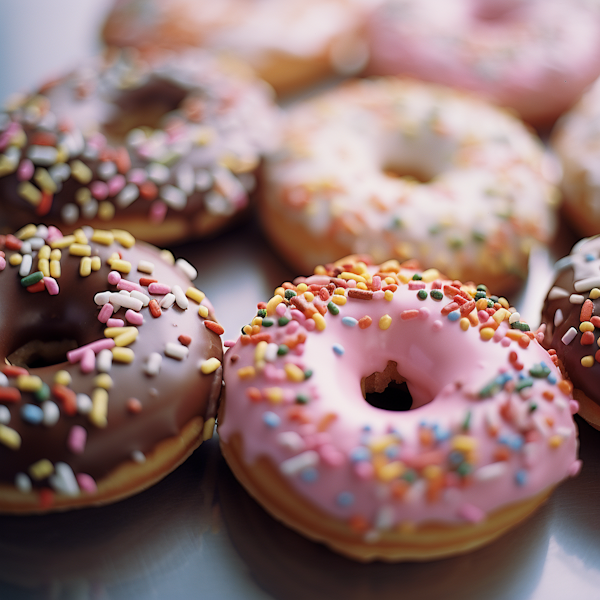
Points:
521	326
467	422
32	279
43	393
308	373
480	294
523	383
332	308
262	313
490	303
397	223
267	322
417	277
302	399
494	298
532	407
289	294
436	294
282	350
478	236
422	294
283	321
456	243
482	288
539	370
409	475
464	469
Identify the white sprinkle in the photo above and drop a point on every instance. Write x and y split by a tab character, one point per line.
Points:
489	472
185	178
167	300
584	285
60	172
139	296
540	424
576	299
25	265
74	142
558	317
217	204
173	197
104	361
514	317
560	403
569	336
4	415
177	351
84	403
138	456
42	232
42	155
294	465
69	213
557	292
152	367
564	432
51	413
25	248
107	169
23	483
3	380
271	352
291	441
36	242
180	297
531	454
415	493
90	209
188	269
63	480
145	266
101	298
125	300
158	173
203	180
385	517
127	195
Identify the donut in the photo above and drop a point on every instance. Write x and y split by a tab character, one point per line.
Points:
570	314
290	43
111	367
576	142
488	435
535	56
397	168
166	151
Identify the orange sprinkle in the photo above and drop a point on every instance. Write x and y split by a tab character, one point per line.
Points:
134	406
566	387
548	395
587	310
326	421
67	397
186	340
154	307
524	341
365	322
218	329
254	394
358	524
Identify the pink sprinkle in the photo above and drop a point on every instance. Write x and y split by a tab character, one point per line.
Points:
471	513
376	283
505	342
2	263
50	283
74	356
158	212
424	313
272	373
309	325
331	456
500	334
105	313
482	316
99	190
115	323
86	483
280	310
129	286
416	285
88	361
25	170
159	288
116	184
378	295
340	282
137	176
297	316
316	279
574	406
363	469
288	396
292	326
135	318
436	285
228	343
97	140
575	468
298	350
53	234
77	438
114	277
351	283
436	325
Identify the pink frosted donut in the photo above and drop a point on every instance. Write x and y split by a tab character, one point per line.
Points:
491	436
536	56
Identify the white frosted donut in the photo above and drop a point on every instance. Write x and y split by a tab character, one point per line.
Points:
469	191
488	436
536	56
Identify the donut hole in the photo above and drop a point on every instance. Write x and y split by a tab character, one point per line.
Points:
407	172
387	389
36	354
484	10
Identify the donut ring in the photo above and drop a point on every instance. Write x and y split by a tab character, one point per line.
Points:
536	56
137	390
469	191
166	152
570	314
290	44
491	436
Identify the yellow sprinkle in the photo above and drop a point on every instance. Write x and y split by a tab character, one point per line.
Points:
83	196
320	270
44	266
272	304
385	322
274	395
80	172
587	361
432	472
555	441
26	232
430	275
80	250
85	266
464	324
15	259
246	372
101	236
361	286
168	257
390	280
9	437
55	270
203	311
113	332
340	291
63	242
402	278
106	210
96	263
346	275
208	429
487	333
473	318
123	355
123	266
279	292
319	320
257	321
504	303
44	252
481	304
500	315
247	329
112	257
6	165
127	241
294	372
388	295
390	266
594	293
586	326
80	237
43	179
514	335
309	296
29	383
126	338
255	329
381	443
41	469
390	471
339	300
97	415
62	377
195	294
260	350
210	365
302	287
55	254
29	192
104	381
463	443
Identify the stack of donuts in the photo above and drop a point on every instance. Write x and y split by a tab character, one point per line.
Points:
389	401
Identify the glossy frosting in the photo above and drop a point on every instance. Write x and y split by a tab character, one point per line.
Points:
492	423
121	139
536	56
55	415
482	199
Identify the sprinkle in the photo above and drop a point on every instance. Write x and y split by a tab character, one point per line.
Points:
9	437
97	415
576	299
123	355
294	465
215	327
521	477
587	361
155	310
569	336
167	301
208	429
76	439
338	349
271	419
594	293
556	293
584	285
41	469
209	366
32	279
121	265
365	322
339	300
153	364
176	351
187	268
319	321
471	513
29	383
159	288
32	413
384	322
294	373
587	310
558	317
195	294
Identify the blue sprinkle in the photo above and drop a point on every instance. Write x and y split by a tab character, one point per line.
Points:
366	428
521	477
515	443
454	315
589	257
338	349
455	458
345	499
552	378
271	419
360	453
440	433
349	321
392	451
309	474
31	413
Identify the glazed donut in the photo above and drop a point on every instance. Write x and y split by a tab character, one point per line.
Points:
536	56
290	43
570	313
397	168
489	436
166	152
111	367
576	142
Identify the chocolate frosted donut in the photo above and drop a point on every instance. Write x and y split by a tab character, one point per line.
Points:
167	151
112	367
572	316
